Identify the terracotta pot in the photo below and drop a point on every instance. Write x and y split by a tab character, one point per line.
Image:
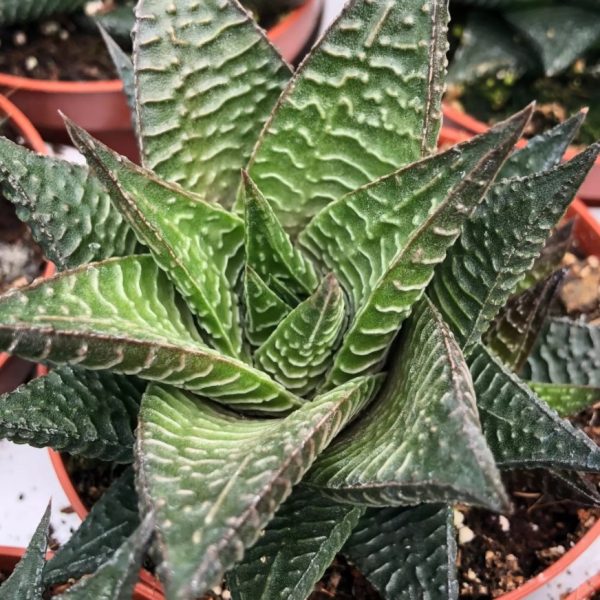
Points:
587	590
589	190
100	107
10	556
13	370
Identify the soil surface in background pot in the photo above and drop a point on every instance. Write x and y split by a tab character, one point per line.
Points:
21	259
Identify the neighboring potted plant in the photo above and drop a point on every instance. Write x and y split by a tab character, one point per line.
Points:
12	121
226	354
505	54
93	95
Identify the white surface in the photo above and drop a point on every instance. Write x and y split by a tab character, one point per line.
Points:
28	483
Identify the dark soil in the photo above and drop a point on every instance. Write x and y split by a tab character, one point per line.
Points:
343	581
56	50
3	576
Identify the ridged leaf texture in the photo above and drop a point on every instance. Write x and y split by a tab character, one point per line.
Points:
513	332
300	350
295	549
383	460
521	430
122	314
199	121
112	519
483	268
195	242
270	252
407	553
69	213
116	578
566	352
565	398
27	11
384	240
365	102
215	480
89	413
25	582
264	309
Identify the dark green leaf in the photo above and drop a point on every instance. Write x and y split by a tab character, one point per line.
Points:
365	102
89	413
407	553
421	441
26	11
110	522
565	398
293	552
215	479
205	89
122	314
69	213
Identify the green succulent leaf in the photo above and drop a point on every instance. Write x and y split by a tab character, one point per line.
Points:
25	582
197	243
513	332
365	102
560	34
484	267
70	214
565	398
543	151
26	11
110	522
295	549
300	350
122	314
215	480
407	553
382	459
550	258
116	578
204	91
488	46
521	430
264	308
566	352
270	252
119	23
384	240
89	413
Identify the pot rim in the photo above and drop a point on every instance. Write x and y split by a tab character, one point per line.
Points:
275	34
586	589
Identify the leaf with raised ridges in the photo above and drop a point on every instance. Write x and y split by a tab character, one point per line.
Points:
487	47
264	308
270	252
70	214
560	34
382	459
407	553
25	582
521	430
566	352
198	244
513	332
543	151
116	578
207	79
113	518
27	11
122	314
215	480
550	258
295	549
365	102
483	268
300	350
88	413
383	240
565	398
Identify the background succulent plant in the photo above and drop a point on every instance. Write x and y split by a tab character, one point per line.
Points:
292	260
